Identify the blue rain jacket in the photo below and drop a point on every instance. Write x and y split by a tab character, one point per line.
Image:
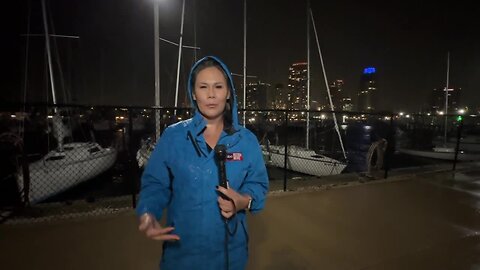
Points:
182	176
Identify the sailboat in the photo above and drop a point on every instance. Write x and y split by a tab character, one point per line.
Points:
147	145
69	164
443	153
444	150
303	159
299	159
467	143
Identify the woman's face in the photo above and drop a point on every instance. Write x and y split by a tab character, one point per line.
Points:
211	93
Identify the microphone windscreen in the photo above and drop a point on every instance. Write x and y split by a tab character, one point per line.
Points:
221	151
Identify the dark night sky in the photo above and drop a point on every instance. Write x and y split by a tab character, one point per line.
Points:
113	64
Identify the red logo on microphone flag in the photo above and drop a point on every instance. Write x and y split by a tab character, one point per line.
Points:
237	156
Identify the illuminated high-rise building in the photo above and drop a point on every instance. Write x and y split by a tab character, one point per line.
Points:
336	92
280	97
347	104
314	105
437	101
257	95
297	86
367	94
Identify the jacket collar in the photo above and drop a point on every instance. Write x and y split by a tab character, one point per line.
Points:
199	123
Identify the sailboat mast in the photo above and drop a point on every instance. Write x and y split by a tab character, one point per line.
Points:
180	44
244	59
195	30
307	146
157	69
328	88
58	128
446	98
49	55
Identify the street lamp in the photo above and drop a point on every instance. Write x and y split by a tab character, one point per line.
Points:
180	43
157	68
157	58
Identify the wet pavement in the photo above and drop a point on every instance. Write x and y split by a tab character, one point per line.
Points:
417	221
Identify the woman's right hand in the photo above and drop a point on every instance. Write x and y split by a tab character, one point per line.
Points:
152	229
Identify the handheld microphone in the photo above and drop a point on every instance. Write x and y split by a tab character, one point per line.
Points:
221	156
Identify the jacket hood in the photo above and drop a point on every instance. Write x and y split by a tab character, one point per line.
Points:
233	95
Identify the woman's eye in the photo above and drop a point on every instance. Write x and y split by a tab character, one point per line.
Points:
219	86
203	86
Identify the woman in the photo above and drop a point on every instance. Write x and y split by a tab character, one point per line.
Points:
206	223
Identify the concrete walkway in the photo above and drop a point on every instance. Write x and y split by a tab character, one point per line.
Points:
429	221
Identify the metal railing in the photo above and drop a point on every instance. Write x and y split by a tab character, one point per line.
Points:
90	153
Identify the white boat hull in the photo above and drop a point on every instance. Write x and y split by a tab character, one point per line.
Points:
465	146
468	144
303	161
54	174
462	156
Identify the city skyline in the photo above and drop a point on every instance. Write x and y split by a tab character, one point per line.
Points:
112	64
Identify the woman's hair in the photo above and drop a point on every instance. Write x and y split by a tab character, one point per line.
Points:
227	113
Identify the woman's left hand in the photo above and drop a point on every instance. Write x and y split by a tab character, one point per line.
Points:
236	203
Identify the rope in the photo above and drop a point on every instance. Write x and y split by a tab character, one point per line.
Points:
17	142
379	147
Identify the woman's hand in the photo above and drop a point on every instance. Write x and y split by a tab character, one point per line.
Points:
152	229
236	203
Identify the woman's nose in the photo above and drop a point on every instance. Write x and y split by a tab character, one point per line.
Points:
211	92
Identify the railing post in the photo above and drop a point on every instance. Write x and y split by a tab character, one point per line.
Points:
130	159
285	153
390	146
457	146
26	176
